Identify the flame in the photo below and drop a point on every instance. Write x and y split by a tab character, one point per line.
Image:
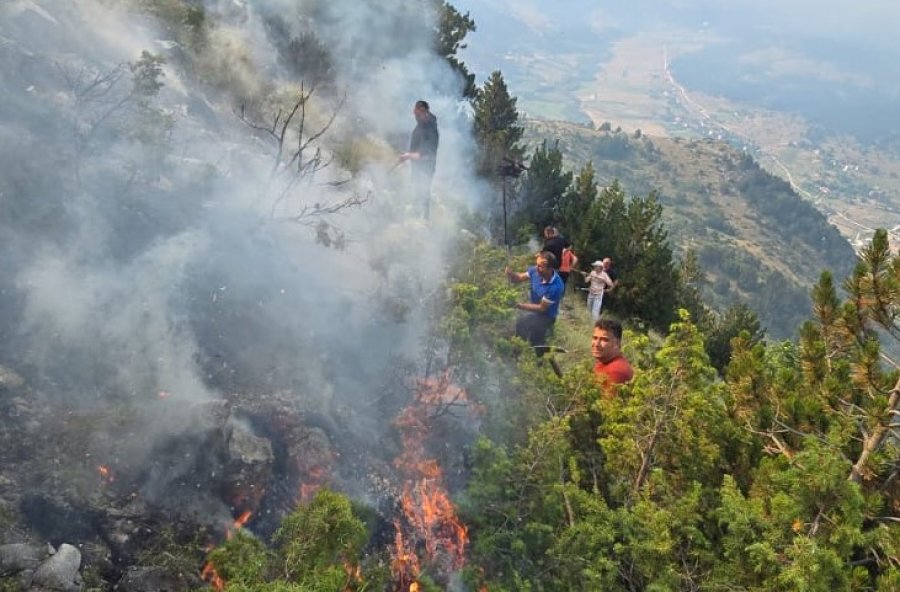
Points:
316	477
354	575
427	512
238	524
106	473
406	562
209	574
241	520
428	508
163	394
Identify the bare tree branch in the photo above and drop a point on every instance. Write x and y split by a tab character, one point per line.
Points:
306	160
323	209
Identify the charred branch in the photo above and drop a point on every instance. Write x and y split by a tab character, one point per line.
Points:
318	210
290	126
280	130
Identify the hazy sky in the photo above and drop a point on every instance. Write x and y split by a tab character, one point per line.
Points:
870	22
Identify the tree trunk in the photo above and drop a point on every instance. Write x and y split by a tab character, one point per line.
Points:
876	438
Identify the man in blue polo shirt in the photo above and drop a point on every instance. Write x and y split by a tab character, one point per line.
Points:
542	308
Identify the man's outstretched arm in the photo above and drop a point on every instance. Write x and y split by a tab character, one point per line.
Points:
516	277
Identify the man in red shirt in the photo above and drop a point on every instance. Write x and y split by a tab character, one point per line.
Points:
611	366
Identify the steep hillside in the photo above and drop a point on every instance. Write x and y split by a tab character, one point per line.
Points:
758	242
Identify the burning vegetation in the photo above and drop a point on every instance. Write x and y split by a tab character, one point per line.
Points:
428	519
427	535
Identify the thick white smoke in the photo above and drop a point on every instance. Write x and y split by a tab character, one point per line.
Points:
140	254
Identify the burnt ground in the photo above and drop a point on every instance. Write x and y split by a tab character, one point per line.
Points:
144	508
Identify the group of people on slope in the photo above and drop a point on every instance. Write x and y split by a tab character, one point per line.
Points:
547	278
601	279
547	286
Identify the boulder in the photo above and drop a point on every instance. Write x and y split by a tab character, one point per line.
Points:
60	572
248	467
20	557
9	380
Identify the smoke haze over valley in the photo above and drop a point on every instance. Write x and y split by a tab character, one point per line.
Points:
810	89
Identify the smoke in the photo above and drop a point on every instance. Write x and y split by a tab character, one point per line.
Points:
147	247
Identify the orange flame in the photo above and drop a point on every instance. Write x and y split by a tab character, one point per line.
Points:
405	559
241	520
316	477
209	574
354	575
425	503
238	524
106	473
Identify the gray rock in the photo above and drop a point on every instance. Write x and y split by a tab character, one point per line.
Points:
20	557
10	380
60	572
244	448
155	579
248	467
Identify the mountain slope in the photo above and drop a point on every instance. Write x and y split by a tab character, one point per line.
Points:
758	242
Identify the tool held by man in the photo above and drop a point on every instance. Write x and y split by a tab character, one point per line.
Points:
508	169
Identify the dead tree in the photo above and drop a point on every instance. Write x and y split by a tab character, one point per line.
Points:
100	98
297	158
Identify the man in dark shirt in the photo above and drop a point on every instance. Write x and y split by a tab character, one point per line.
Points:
554	243
610	270
422	154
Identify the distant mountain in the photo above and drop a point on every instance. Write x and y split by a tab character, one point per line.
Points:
757	240
838	68
810	92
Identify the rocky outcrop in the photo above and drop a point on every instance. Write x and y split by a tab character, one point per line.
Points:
9	380
21	557
248	467
41	569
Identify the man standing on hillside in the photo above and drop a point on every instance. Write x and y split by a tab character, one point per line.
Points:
554	243
422	154
567	264
610	271
542	308
610	365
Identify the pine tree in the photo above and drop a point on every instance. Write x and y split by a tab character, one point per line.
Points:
543	188
783	476
737	319
632	234
452	28
577	200
496	129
